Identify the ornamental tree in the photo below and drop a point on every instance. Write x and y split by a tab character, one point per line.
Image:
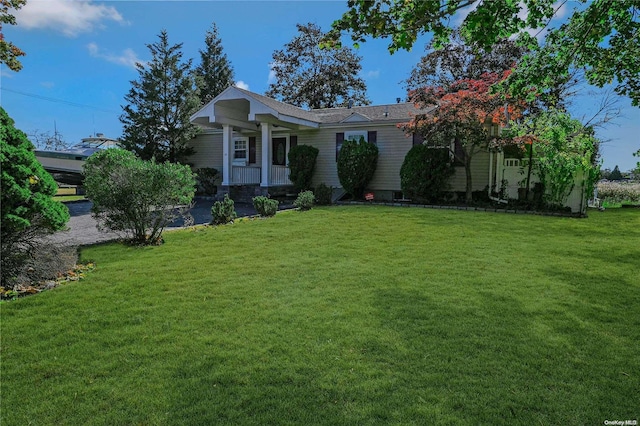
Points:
600	37
28	209
463	119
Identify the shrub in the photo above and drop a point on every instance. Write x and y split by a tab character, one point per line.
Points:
357	163
223	211
323	194
617	192
28	209
265	207
305	200
206	178
425	174
302	162
134	197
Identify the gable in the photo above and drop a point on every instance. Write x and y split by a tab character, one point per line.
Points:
356	118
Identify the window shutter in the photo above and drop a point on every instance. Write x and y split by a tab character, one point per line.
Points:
417	139
372	136
293	141
339	140
252	149
459	153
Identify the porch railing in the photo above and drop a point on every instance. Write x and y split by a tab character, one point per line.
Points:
245	175
280	175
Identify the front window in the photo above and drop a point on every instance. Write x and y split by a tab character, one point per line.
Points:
240	150
355	135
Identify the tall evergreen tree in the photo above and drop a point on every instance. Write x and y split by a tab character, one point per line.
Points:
215	73
308	76
160	103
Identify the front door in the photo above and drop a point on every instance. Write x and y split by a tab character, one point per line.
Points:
279	154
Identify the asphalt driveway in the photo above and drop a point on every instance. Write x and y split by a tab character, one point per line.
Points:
83	228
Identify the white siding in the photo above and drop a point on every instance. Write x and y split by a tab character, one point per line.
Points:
208	151
479	174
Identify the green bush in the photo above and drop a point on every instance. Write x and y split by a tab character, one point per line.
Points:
302	162
266	207
357	163
323	194
134	197
425	173
28	209
206	178
305	200
223	211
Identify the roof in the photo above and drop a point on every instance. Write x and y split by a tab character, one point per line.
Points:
391	112
287	113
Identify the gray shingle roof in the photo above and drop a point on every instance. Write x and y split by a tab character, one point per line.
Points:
398	112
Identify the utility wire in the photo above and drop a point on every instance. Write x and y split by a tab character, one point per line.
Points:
59	101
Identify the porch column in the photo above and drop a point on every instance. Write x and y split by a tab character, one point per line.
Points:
491	177
227	157
266	154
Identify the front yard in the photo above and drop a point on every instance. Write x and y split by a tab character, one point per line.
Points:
340	316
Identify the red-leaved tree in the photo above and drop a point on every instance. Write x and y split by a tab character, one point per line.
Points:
465	118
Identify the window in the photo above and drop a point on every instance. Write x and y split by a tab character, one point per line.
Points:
240	150
355	135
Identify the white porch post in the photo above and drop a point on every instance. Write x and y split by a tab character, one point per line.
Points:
491	177
266	154
227	140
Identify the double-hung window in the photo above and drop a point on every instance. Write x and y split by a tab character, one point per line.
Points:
240	150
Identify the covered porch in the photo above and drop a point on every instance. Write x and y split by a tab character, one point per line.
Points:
257	134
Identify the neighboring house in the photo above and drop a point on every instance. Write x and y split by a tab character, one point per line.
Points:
247	137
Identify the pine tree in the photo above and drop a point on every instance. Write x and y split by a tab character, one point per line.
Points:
156	120
215	73
308	76
615	174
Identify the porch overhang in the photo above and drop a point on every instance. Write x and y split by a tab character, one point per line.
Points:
246	111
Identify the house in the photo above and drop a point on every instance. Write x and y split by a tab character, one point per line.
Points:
247	137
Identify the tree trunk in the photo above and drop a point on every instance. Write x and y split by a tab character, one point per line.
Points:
467	168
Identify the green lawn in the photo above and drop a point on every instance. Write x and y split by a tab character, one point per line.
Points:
341	316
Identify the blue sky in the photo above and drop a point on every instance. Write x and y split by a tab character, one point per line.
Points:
81	55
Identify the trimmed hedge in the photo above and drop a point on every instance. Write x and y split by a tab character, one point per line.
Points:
302	163
425	173
357	162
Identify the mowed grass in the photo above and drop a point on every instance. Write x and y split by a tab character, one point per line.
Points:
341	316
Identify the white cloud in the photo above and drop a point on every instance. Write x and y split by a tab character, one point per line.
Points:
272	73
6	72
241	85
69	17
128	58
47	84
372	74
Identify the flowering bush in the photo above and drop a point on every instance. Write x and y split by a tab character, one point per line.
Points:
618	192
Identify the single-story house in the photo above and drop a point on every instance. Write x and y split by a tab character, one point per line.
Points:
247	137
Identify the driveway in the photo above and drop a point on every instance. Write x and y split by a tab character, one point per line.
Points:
83	228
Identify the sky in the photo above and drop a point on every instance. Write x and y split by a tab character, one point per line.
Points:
81	59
